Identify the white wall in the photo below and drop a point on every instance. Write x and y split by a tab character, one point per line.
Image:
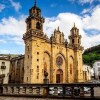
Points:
96	68
5	71
87	69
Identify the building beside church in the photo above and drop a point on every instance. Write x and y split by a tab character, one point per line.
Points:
16	74
53	59
4	68
11	68
86	72
96	68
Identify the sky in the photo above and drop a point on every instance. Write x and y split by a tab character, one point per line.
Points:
63	13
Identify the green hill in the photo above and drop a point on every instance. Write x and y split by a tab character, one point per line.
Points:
91	54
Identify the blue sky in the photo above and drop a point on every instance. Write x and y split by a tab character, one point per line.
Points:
62	13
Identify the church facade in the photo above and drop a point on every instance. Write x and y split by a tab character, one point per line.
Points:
51	60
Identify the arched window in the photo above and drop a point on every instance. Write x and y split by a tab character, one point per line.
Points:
70	68
38	25
72	40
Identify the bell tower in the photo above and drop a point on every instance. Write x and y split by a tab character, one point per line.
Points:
33	37
75	44
35	20
75	38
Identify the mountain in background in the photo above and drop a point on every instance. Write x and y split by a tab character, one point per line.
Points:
92	54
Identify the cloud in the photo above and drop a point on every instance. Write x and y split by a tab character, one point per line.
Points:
2	7
86	24
3	41
65	21
88	10
14	28
17	40
84	1
10	51
93	21
2	51
16	5
53	5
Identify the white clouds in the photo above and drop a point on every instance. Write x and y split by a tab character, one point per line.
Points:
88	10
2	51
16	27
53	5
16	5
93	21
9	51
84	1
3	41
13	27
2	6
18	40
64	20
86	22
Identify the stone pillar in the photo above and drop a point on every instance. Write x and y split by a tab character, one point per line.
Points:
92	91
82	91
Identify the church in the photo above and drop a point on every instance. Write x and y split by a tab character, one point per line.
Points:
51	60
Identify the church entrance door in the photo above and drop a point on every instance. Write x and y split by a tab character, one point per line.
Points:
59	76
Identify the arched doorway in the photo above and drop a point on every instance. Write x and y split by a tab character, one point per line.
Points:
59	76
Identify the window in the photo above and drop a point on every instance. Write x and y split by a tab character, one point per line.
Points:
27	79
72	40
31	71
37	53
3	63
37	68
78	41
98	64
38	25
70	68
28	56
99	69
28	48
37	75
29	26
27	67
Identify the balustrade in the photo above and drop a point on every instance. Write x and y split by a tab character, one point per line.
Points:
48	90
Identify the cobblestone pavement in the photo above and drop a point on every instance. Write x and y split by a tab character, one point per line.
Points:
17	98
21	98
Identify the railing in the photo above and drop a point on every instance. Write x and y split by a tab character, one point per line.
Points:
77	90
